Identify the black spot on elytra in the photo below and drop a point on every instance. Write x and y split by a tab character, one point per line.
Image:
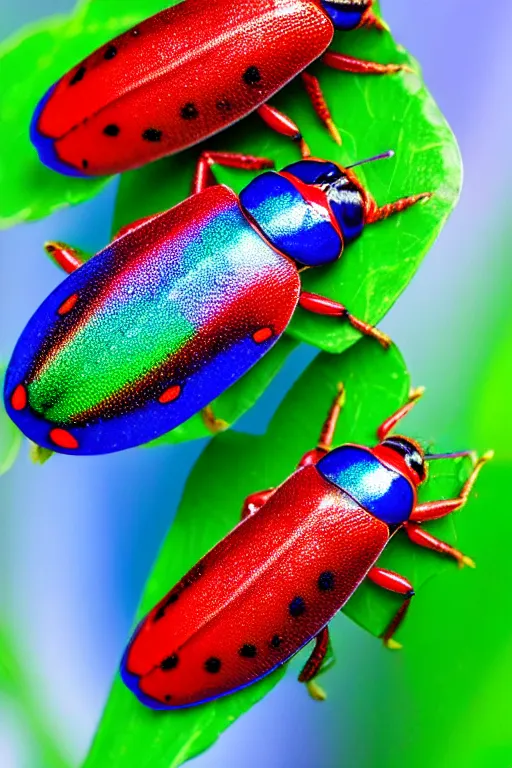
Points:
110	53
326	581
111	130
276	641
152	134
169	663
161	611
251	76
297	607
223	105
212	665
189	111
248	650
85	164
167	697
79	74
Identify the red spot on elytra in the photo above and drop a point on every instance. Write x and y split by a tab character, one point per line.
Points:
262	335
170	394
19	398
68	305
63	439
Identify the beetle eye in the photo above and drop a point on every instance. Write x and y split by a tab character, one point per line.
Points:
413	457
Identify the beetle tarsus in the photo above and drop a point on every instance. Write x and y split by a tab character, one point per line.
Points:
213	423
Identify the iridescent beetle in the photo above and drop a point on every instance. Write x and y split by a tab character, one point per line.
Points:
276	581
178	307
186	74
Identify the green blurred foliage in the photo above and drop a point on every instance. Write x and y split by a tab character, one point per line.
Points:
230	468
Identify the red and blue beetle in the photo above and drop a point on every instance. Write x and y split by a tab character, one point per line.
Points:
189	72
179	306
275	582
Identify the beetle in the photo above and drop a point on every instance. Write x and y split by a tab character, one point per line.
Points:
178	307
187	73
275	581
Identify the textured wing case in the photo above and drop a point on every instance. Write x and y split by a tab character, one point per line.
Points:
151	329
257	597
166	84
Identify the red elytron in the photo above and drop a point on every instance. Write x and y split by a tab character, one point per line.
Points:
275	582
187	73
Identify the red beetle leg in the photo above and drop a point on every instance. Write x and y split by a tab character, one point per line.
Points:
399	585
212	422
387	426
65	256
432	510
254	502
361	66
282	124
326	436
314	91
425	539
373	213
320	305
204	177
314	664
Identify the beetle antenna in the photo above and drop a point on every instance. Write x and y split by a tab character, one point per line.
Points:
383	156
456	455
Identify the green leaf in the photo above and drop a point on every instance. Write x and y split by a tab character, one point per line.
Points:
230	468
15	685
10	436
374	113
236	400
30	62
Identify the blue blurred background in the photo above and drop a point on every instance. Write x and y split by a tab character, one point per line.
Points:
77	540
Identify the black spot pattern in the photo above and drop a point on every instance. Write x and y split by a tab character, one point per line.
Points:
111	130
189	111
168	697
110	53
248	651
276	641
297	607
171	662
152	134
161	611
251	76
79	74
212	665
85	164
326	581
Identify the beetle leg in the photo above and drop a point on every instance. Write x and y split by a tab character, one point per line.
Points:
204	177
212	422
423	538
65	256
320	305
254	502
314	91
370	19
393	582
387	426
314	664
282	124
432	510
360	66
373	213
326	436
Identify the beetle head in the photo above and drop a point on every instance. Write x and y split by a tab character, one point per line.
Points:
407	456
344	193
350	14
